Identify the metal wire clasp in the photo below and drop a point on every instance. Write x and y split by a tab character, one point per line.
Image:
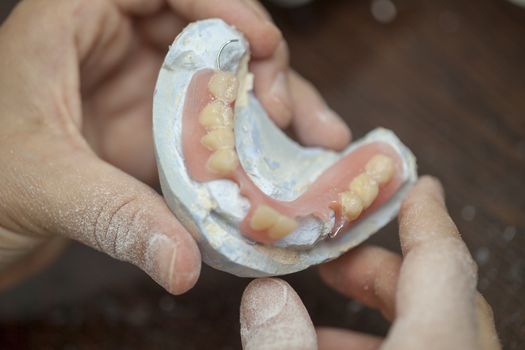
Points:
218	60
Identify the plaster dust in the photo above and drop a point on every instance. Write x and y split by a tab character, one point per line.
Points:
274	318
113	213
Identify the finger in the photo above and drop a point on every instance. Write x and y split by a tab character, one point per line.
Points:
259	8
338	339
437	283
269	51
161	28
55	184
423	218
263	35
78	196
140	7
487	330
122	105
314	122
273	317
368	274
272	87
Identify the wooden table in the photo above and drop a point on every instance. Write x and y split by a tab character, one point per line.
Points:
447	76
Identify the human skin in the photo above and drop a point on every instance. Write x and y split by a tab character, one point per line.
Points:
429	294
76	85
76	79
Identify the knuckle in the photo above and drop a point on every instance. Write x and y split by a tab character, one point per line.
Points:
451	254
117	227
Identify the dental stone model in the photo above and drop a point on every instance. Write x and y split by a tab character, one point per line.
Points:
257	203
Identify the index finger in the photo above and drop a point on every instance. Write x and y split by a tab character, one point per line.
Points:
263	35
436	296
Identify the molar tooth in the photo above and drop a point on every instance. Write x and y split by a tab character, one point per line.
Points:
215	115
224	85
380	168
366	188
223	162
219	139
351	205
263	218
283	227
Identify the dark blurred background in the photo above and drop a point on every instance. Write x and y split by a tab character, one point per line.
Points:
447	76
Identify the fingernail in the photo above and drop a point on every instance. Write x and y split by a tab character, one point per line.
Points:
161	255
175	270
262	300
281	100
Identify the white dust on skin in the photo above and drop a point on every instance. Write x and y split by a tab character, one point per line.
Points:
436	299
108	210
436	291
274	318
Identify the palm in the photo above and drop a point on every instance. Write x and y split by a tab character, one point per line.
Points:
117	101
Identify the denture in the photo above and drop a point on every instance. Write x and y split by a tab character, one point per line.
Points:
258	203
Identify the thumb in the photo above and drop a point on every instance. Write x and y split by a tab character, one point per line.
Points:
273	317
77	195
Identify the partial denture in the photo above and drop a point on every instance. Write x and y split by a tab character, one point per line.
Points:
216	114
380	168
223	86
364	188
219	139
257	203
217	118
223	162
268	219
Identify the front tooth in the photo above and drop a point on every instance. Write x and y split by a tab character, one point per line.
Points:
218	139
215	115
282	228
351	205
263	218
380	168
366	188
223	162
223	85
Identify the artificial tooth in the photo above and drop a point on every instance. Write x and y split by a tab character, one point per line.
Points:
224	85
223	161
380	168
351	205
218	139
263	218
366	188
215	115
283	227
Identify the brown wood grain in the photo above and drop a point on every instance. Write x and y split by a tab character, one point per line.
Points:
447	76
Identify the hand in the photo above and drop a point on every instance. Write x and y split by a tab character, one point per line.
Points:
429	295
76	86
